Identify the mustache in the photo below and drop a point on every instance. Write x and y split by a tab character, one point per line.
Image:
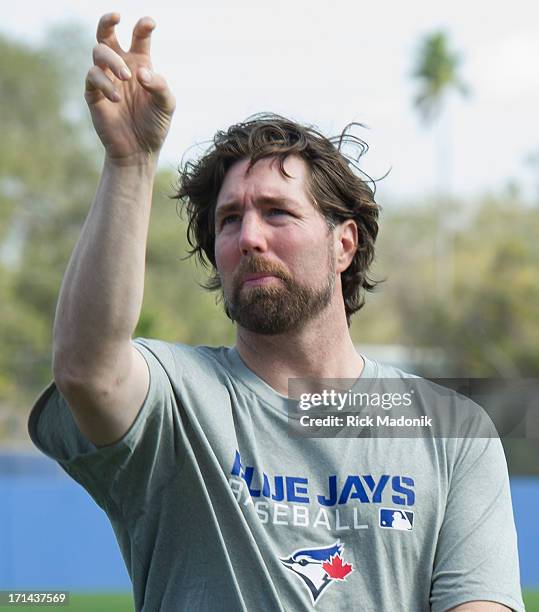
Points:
259	265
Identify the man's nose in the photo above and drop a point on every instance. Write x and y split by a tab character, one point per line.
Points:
252	237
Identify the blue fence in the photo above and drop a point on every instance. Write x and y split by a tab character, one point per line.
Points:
53	536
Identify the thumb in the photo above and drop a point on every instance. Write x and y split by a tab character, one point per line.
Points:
156	85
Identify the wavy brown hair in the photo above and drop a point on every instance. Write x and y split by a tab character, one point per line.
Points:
337	190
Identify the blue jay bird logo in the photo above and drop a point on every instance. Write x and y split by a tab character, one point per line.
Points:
318	567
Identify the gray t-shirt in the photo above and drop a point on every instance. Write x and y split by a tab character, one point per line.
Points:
216	507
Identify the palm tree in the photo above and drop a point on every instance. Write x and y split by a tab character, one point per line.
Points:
436	69
437	72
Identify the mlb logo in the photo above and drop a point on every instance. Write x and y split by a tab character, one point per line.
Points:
391	518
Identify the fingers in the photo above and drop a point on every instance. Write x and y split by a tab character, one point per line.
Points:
99	85
105	57
156	85
109	62
142	33
105	30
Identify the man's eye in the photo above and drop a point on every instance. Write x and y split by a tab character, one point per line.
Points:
229	219
278	211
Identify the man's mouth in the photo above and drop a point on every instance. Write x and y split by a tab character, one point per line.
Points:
258	279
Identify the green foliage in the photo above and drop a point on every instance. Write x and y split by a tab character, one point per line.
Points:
437	71
46	182
488	324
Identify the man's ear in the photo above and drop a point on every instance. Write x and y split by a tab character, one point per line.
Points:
346	242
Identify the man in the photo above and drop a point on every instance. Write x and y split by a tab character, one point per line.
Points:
214	505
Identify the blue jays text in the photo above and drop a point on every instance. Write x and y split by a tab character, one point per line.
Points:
364	488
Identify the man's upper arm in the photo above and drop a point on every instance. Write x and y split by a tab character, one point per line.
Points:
150	445
476	556
105	413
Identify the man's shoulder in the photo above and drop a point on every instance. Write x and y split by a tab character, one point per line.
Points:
177	356
379	369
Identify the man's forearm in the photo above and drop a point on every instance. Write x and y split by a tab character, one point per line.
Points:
102	290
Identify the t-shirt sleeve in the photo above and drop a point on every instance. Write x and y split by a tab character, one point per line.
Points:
136	465
476	556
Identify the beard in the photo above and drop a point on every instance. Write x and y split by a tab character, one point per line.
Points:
276	309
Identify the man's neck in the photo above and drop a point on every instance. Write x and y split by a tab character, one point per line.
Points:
322	348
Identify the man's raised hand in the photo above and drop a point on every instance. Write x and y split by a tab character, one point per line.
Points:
130	105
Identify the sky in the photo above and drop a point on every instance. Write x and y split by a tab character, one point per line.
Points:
330	63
